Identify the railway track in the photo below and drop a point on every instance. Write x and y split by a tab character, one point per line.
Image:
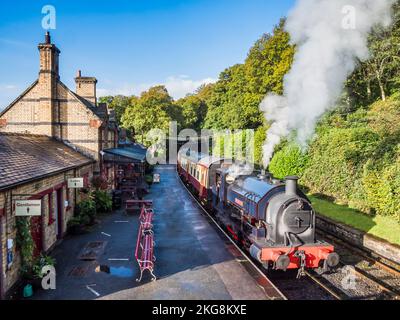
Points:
365	267
360	275
282	286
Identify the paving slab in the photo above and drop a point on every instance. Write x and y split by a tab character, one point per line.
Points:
193	261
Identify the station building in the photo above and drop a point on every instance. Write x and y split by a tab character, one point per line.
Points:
48	135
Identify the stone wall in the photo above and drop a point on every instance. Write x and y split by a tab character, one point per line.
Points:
360	239
46	188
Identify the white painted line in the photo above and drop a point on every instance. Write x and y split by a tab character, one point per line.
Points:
114	259
93	291
106	234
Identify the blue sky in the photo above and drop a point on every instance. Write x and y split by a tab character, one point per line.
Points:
131	45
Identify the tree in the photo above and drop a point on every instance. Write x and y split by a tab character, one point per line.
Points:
233	102
152	110
379	75
193	110
118	104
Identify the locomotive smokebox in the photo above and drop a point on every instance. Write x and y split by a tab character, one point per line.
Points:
291	185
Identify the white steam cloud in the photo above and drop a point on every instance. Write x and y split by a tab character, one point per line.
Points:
330	35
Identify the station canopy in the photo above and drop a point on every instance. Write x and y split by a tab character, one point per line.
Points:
134	152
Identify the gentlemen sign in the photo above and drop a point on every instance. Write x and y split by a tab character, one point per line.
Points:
25	208
75	183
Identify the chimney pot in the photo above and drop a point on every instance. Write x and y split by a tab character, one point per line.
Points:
291	185
79	74
47	38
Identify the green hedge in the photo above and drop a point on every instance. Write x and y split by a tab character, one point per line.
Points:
354	159
288	161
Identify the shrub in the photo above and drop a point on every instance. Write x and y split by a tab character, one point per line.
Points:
40	262
382	188
25	243
355	159
149	179
290	160
103	201
86	211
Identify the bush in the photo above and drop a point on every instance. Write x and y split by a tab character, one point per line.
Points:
103	201
289	161
149	179
335	166
355	159
40	262
86	211
382	188
25	244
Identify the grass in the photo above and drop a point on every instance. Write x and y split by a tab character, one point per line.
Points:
383	227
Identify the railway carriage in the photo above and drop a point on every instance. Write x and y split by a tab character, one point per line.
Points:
199	170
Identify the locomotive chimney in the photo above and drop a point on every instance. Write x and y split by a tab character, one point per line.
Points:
291	185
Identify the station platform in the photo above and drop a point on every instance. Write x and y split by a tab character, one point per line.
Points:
193	261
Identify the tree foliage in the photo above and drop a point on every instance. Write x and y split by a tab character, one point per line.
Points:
152	110
118	103
235	98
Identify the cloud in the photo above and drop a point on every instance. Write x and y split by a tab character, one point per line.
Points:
177	86
7	87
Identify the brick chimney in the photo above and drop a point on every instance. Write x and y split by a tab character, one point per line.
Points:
86	87
48	78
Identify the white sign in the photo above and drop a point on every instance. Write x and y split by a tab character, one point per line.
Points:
75	183
25	208
156	178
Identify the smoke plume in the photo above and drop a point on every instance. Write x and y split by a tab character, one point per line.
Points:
330	36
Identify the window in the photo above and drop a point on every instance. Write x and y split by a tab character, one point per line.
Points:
86	180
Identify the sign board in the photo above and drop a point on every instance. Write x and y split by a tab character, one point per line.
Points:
156	178
75	183
24	208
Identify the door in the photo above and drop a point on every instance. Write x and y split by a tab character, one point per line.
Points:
37	236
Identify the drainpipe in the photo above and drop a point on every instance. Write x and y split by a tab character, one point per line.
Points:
2	280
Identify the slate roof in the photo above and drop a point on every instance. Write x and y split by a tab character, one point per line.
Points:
25	158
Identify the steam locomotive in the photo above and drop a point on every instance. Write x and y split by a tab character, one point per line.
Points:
272	219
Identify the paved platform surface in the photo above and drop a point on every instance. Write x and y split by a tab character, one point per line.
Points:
193	261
